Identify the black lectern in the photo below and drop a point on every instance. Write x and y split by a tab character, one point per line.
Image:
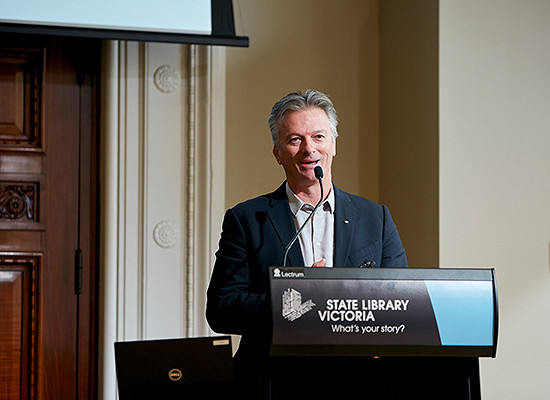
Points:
380	333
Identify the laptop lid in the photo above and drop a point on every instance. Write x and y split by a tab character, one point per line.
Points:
172	368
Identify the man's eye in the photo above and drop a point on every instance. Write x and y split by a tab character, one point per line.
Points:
294	140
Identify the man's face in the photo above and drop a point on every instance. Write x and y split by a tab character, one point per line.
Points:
305	141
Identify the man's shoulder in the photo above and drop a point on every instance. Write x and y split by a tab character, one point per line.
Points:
256	202
261	202
355	200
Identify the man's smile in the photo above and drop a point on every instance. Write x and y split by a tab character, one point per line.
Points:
309	162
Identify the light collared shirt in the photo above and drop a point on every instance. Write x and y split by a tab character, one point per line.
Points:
317	237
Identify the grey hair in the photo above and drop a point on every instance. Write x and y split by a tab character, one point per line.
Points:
297	101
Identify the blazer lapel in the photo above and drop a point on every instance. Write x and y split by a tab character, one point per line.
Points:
344	217
281	218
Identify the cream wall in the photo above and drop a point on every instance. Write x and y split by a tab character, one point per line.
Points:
409	179
495	174
295	45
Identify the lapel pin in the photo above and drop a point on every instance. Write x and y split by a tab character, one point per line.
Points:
346	221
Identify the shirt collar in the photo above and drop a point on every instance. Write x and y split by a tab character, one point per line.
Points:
296	203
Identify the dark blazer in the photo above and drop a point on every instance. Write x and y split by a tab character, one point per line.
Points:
254	236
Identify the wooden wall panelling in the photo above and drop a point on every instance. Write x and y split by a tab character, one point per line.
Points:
20	76
18	326
48	214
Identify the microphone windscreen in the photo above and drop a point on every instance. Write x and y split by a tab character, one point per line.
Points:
318	172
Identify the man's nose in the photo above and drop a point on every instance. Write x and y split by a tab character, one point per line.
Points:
308	147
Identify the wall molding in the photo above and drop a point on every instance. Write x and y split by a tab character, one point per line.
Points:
162	185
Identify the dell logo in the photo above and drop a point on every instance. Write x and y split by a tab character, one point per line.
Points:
175	374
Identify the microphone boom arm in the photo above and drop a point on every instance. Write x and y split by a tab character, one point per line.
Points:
319	175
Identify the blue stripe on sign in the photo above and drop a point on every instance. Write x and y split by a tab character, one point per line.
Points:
463	311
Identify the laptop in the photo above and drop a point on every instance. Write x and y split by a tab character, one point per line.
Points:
174	368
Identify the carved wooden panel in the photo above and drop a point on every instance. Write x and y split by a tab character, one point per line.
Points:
20	80
18	326
18	201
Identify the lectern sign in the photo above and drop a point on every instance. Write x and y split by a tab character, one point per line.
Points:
383	311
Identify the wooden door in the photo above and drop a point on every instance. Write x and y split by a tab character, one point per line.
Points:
47	217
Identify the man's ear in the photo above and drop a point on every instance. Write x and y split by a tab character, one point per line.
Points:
276	154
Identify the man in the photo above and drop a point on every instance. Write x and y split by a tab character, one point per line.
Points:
345	232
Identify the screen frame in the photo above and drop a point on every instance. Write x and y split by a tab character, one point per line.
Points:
222	30
119	34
